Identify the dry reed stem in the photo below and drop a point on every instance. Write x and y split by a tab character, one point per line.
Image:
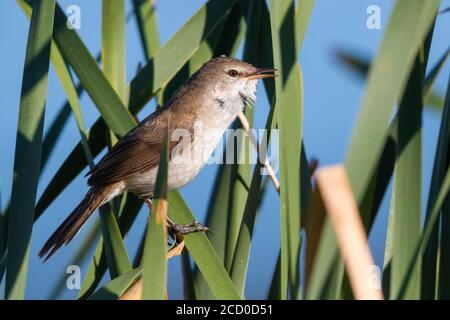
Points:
341	207
271	172
135	291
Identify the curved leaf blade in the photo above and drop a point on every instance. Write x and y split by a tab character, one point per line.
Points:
115	288
28	147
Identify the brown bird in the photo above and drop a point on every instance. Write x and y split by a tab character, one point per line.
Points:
210	99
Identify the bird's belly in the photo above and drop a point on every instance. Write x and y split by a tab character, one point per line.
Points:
185	163
184	166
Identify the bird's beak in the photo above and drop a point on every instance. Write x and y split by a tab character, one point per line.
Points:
262	73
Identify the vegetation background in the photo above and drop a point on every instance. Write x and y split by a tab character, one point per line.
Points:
337	45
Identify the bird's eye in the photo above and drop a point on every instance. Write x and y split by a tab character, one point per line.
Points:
232	73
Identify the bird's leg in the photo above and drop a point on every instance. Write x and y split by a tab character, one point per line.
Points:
149	203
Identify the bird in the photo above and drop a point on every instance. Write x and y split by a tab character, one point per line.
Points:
211	98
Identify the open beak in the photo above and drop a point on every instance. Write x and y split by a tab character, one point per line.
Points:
262	73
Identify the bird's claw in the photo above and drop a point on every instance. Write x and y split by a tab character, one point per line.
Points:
177	231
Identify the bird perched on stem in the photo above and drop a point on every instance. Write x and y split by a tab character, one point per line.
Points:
210	100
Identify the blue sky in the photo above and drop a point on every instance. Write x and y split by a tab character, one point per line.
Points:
332	99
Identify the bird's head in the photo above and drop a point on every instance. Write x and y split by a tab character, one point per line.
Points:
230	78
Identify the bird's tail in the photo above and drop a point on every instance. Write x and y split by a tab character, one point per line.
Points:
94	198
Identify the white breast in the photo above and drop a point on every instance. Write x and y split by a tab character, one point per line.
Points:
186	161
207	134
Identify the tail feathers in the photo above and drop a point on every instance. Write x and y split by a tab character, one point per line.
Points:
72	225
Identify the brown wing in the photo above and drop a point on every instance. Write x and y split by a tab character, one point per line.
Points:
140	149
137	151
130	155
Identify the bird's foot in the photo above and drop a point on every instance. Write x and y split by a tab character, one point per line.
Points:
177	231
187	228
